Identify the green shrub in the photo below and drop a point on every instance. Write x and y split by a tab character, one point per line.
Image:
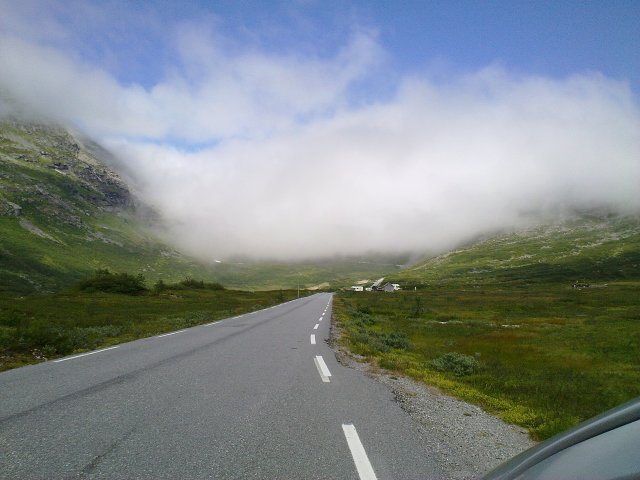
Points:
105	281
159	286
363	319
200	284
381	342
192	283
418	309
456	363
214	286
395	340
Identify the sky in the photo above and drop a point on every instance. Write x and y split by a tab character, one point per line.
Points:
305	129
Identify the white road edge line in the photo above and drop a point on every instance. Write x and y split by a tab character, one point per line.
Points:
323	370
313	339
171	333
365	470
84	354
316	327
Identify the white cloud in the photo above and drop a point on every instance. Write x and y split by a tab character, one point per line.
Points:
207	94
298	171
436	165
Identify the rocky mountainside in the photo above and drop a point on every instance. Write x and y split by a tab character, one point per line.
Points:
64	213
32	151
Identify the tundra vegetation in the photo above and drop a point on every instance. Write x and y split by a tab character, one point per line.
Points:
500	323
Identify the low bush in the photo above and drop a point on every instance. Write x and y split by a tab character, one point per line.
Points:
159	286
105	281
200	284
381	342
395	340
192	283
456	363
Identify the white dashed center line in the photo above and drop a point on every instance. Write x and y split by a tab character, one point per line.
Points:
316	326
365	470
323	370
313	339
84	354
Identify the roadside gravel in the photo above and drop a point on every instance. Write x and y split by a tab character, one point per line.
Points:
466	441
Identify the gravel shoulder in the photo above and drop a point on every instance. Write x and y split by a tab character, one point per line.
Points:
465	440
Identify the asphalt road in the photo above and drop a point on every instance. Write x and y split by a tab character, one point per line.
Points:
247	397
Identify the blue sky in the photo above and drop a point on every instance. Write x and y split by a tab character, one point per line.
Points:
541	37
545	37
558	38
298	116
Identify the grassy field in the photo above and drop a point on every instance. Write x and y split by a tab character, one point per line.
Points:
543	357
38	328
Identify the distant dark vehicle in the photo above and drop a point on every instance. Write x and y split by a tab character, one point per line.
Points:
606	447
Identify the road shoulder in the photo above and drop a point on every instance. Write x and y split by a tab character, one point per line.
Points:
465	440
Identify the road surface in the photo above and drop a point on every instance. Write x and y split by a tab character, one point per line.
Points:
256	396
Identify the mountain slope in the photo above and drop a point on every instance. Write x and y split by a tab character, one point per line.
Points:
588	248
64	213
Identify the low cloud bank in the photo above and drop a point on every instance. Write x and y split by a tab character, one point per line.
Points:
294	169
435	166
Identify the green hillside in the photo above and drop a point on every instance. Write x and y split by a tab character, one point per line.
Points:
588	248
64	213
